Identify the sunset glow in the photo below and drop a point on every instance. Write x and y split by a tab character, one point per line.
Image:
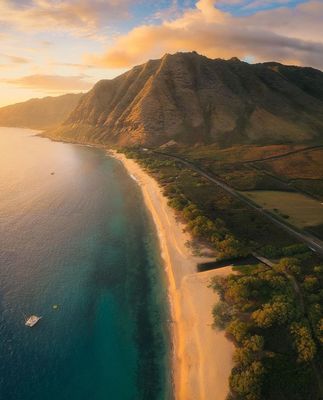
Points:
51	47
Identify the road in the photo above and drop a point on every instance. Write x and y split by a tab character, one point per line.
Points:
275	157
314	243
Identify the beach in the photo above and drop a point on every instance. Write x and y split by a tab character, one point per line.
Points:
202	358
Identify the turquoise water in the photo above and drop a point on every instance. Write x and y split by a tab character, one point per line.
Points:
79	238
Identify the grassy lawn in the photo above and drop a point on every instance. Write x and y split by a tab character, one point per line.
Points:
301	210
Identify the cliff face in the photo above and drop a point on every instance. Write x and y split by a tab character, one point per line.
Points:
193	99
39	113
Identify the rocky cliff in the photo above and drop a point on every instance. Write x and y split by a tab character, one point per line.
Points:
192	99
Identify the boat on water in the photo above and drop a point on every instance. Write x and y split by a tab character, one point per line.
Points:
32	320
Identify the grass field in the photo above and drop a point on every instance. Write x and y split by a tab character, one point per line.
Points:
245	167
298	209
303	171
305	165
235	154
228	164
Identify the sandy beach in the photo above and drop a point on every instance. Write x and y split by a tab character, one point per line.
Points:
202	358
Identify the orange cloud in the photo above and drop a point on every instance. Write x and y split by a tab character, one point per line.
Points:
81	17
269	35
52	82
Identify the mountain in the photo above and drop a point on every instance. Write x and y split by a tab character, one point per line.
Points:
42	113
192	99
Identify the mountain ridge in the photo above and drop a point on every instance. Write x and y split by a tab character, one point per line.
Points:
191	99
39	113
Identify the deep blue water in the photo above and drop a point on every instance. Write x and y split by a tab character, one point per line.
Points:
79	238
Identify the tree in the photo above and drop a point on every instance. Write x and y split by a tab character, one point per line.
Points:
178	203
238	291
288	265
255	343
243	357
311	283
238	329
222	314
316	311
231	248
247	382
320	330
191	211
202	226
170	190
249	351
303	342
318	269
278	311
294	249
218	283
270	251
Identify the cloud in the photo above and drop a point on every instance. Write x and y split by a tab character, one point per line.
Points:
292	35
256	4
52	82
46	43
73	65
15	59
80	17
245	7
303	22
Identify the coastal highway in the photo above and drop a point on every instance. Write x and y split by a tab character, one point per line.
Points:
312	242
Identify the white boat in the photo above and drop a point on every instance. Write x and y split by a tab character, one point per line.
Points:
32	320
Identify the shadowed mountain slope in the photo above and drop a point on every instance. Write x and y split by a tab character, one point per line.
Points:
193	99
44	113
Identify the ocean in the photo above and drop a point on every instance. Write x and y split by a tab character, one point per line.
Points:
78	248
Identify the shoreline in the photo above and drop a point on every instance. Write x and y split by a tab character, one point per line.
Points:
202	356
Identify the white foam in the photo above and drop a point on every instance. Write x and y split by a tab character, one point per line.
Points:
134	178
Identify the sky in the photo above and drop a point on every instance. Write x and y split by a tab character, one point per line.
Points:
52	47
